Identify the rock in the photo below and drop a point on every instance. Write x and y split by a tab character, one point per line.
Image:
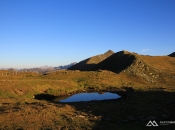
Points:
81	116
95	117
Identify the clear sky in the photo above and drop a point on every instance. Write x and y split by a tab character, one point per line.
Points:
35	33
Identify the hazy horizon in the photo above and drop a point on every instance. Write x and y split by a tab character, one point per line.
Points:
59	32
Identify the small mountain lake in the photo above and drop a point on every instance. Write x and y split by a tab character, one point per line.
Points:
91	96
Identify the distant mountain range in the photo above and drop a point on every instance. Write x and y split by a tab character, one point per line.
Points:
46	68
155	70
64	66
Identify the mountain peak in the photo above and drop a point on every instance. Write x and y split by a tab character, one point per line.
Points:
109	51
126	52
89	63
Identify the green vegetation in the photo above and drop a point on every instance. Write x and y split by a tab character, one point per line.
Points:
146	86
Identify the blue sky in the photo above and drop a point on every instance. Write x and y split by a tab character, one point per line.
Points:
35	33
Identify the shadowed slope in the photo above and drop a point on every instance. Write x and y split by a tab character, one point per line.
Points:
152	69
172	54
89	63
117	62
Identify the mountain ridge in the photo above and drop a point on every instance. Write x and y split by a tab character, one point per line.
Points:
152	69
89	63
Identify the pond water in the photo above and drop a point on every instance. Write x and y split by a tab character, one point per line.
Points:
91	96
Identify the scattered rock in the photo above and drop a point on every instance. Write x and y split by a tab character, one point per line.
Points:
95	117
81	116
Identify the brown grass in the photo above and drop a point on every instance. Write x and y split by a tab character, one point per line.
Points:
163	63
18	109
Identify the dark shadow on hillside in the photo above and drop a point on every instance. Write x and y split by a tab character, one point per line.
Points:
132	112
89	63
117	62
82	66
172	54
128	89
44	96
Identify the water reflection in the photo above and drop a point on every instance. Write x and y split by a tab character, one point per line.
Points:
91	96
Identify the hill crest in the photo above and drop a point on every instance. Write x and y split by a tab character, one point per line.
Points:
149	68
89	63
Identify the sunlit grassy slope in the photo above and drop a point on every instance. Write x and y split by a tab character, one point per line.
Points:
116	70
151	79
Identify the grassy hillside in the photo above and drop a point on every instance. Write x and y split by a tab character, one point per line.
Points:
146	84
116	70
89	63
